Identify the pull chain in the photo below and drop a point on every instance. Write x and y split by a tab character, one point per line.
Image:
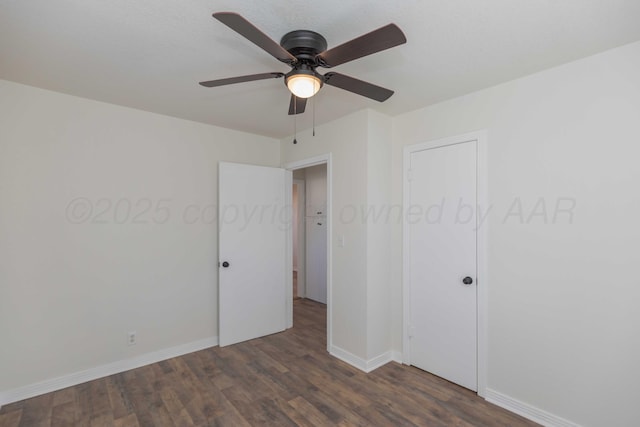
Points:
295	119
314	115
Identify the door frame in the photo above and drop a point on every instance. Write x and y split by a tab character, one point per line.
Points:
480	137
301	164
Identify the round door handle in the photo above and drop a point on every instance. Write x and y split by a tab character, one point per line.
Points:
467	280
225	264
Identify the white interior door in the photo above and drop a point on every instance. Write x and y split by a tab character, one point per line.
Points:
442	246
316	190
316	253
254	226
316	233
299	237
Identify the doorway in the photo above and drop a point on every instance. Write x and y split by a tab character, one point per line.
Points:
311	246
444	277
311	238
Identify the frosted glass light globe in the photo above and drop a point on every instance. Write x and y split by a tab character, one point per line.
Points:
303	85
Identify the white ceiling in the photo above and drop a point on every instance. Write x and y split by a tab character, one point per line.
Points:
150	54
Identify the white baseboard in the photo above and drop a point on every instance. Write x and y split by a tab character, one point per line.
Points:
360	363
526	410
47	386
396	356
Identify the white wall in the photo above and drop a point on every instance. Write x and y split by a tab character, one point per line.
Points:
378	220
69	293
563	295
346	138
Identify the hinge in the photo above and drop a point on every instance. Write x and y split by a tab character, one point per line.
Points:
409	175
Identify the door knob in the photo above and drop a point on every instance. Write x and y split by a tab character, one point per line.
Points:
225	264
467	280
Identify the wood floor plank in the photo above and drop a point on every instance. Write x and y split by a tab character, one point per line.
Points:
129	421
37	411
376	417
104	419
327	381
160	416
176	409
65	395
335	410
118	398
383	392
307	412
94	401
65	414
263	412
10	418
285	379
140	395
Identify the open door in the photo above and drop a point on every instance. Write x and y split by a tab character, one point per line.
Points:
254	219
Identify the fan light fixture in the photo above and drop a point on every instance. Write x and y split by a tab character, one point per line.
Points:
305	51
304	85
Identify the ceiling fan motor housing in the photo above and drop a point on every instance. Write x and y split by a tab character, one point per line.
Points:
304	44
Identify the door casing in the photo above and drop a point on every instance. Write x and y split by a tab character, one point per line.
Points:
300	164
480	137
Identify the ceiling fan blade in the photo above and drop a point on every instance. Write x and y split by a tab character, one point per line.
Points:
357	86
254	35
241	79
297	105
375	41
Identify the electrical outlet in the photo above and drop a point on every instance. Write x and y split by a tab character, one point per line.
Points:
132	338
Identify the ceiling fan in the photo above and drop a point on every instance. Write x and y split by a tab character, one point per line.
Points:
304	51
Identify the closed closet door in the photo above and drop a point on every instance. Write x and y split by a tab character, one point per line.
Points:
442	246
316	191
316	233
316	272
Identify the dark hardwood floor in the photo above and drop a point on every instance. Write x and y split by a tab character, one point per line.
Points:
284	379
